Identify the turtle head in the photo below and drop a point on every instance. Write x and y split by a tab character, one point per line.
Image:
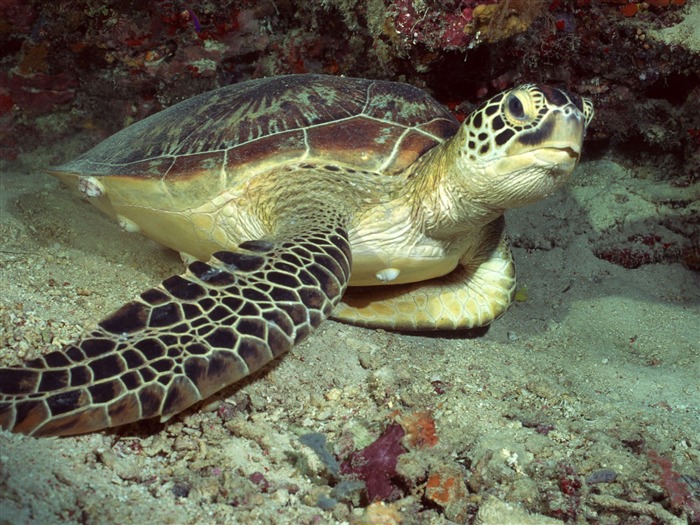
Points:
521	145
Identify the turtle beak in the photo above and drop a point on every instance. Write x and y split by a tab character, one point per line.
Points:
572	151
562	129
561	147
558	160
569	129
560	152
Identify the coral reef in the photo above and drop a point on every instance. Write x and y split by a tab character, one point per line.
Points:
74	67
444	26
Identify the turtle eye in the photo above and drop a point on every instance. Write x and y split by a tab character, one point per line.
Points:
515	107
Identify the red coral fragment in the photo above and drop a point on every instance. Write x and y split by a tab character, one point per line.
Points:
420	429
376	465
447	488
629	10
436	25
679	495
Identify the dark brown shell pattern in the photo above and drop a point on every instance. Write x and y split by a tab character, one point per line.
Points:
369	125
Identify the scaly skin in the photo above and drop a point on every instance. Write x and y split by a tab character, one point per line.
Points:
296	198
185	339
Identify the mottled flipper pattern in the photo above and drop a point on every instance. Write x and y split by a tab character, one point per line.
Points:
183	340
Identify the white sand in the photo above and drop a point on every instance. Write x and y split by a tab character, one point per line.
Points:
602	356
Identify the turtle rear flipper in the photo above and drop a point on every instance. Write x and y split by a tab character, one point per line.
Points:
185	339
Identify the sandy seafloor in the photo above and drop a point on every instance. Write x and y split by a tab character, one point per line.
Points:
596	368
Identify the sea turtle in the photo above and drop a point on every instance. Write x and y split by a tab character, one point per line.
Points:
293	188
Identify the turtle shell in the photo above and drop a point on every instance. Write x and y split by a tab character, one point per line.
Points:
207	144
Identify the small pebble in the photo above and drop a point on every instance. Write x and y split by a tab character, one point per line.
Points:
317	442
181	489
601	476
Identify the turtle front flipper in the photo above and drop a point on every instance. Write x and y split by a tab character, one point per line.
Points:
185	339
475	294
